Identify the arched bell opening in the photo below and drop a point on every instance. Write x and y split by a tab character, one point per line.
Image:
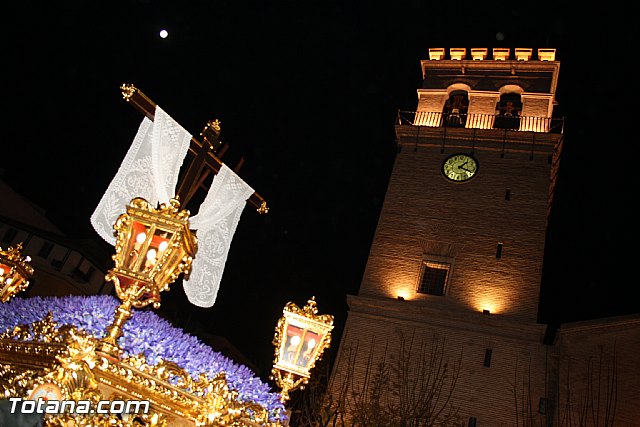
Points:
508	111
455	109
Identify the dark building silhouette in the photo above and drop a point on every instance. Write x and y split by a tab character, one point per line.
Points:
62	265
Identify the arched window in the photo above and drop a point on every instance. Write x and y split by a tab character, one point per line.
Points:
508	111
455	109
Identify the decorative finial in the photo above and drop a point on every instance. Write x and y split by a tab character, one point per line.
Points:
127	91
263	209
215	125
312	306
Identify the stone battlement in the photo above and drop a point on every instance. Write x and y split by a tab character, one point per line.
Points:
498	54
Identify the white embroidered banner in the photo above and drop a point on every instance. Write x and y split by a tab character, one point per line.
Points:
149	170
215	223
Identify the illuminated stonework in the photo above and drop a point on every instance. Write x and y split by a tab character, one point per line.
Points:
498	54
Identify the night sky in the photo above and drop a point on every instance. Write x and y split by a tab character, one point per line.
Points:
308	92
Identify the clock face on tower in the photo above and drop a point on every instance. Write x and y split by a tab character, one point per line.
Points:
459	167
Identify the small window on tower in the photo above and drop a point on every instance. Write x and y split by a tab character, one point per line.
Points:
45	250
433	279
487	358
9	235
543	405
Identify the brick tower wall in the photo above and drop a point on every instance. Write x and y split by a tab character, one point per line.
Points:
424	212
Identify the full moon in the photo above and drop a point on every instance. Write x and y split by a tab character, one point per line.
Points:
163	34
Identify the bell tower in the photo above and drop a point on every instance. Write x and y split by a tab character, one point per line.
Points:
464	220
458	250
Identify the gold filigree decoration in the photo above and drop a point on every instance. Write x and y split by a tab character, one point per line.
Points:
300	338
127	91
263	209
15	382
153	247
68	358
152	280
15	272
215	125
106	420
310	311
44	330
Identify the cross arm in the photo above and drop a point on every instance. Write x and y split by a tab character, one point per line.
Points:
203	156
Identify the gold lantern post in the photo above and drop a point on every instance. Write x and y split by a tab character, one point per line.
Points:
153	247
15	272
301	337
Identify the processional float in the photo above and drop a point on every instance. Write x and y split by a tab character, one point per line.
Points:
87	350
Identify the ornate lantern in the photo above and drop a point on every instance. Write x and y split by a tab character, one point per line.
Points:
300	339
15	272
153	247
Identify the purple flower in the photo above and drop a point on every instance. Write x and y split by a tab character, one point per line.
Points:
145	333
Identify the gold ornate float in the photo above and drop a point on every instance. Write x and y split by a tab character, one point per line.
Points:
75	349
63	362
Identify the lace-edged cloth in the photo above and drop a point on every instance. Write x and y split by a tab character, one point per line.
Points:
216	224
150	170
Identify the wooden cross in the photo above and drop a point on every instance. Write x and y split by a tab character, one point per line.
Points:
203	161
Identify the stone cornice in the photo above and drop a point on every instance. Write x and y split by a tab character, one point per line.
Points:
412	312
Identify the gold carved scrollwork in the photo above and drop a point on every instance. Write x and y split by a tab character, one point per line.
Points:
15	272
43	331
67	358
147	290
127	91
292	365
263	209
310	310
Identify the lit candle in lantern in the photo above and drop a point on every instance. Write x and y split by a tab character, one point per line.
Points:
151	259
133	256
161	248
310	344
290	352
304	357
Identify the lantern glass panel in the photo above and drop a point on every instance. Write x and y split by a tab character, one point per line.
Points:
160	242
155	249
292	344
136	243
171	254
309	345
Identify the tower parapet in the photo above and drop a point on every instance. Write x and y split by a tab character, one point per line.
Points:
473	88
499	53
